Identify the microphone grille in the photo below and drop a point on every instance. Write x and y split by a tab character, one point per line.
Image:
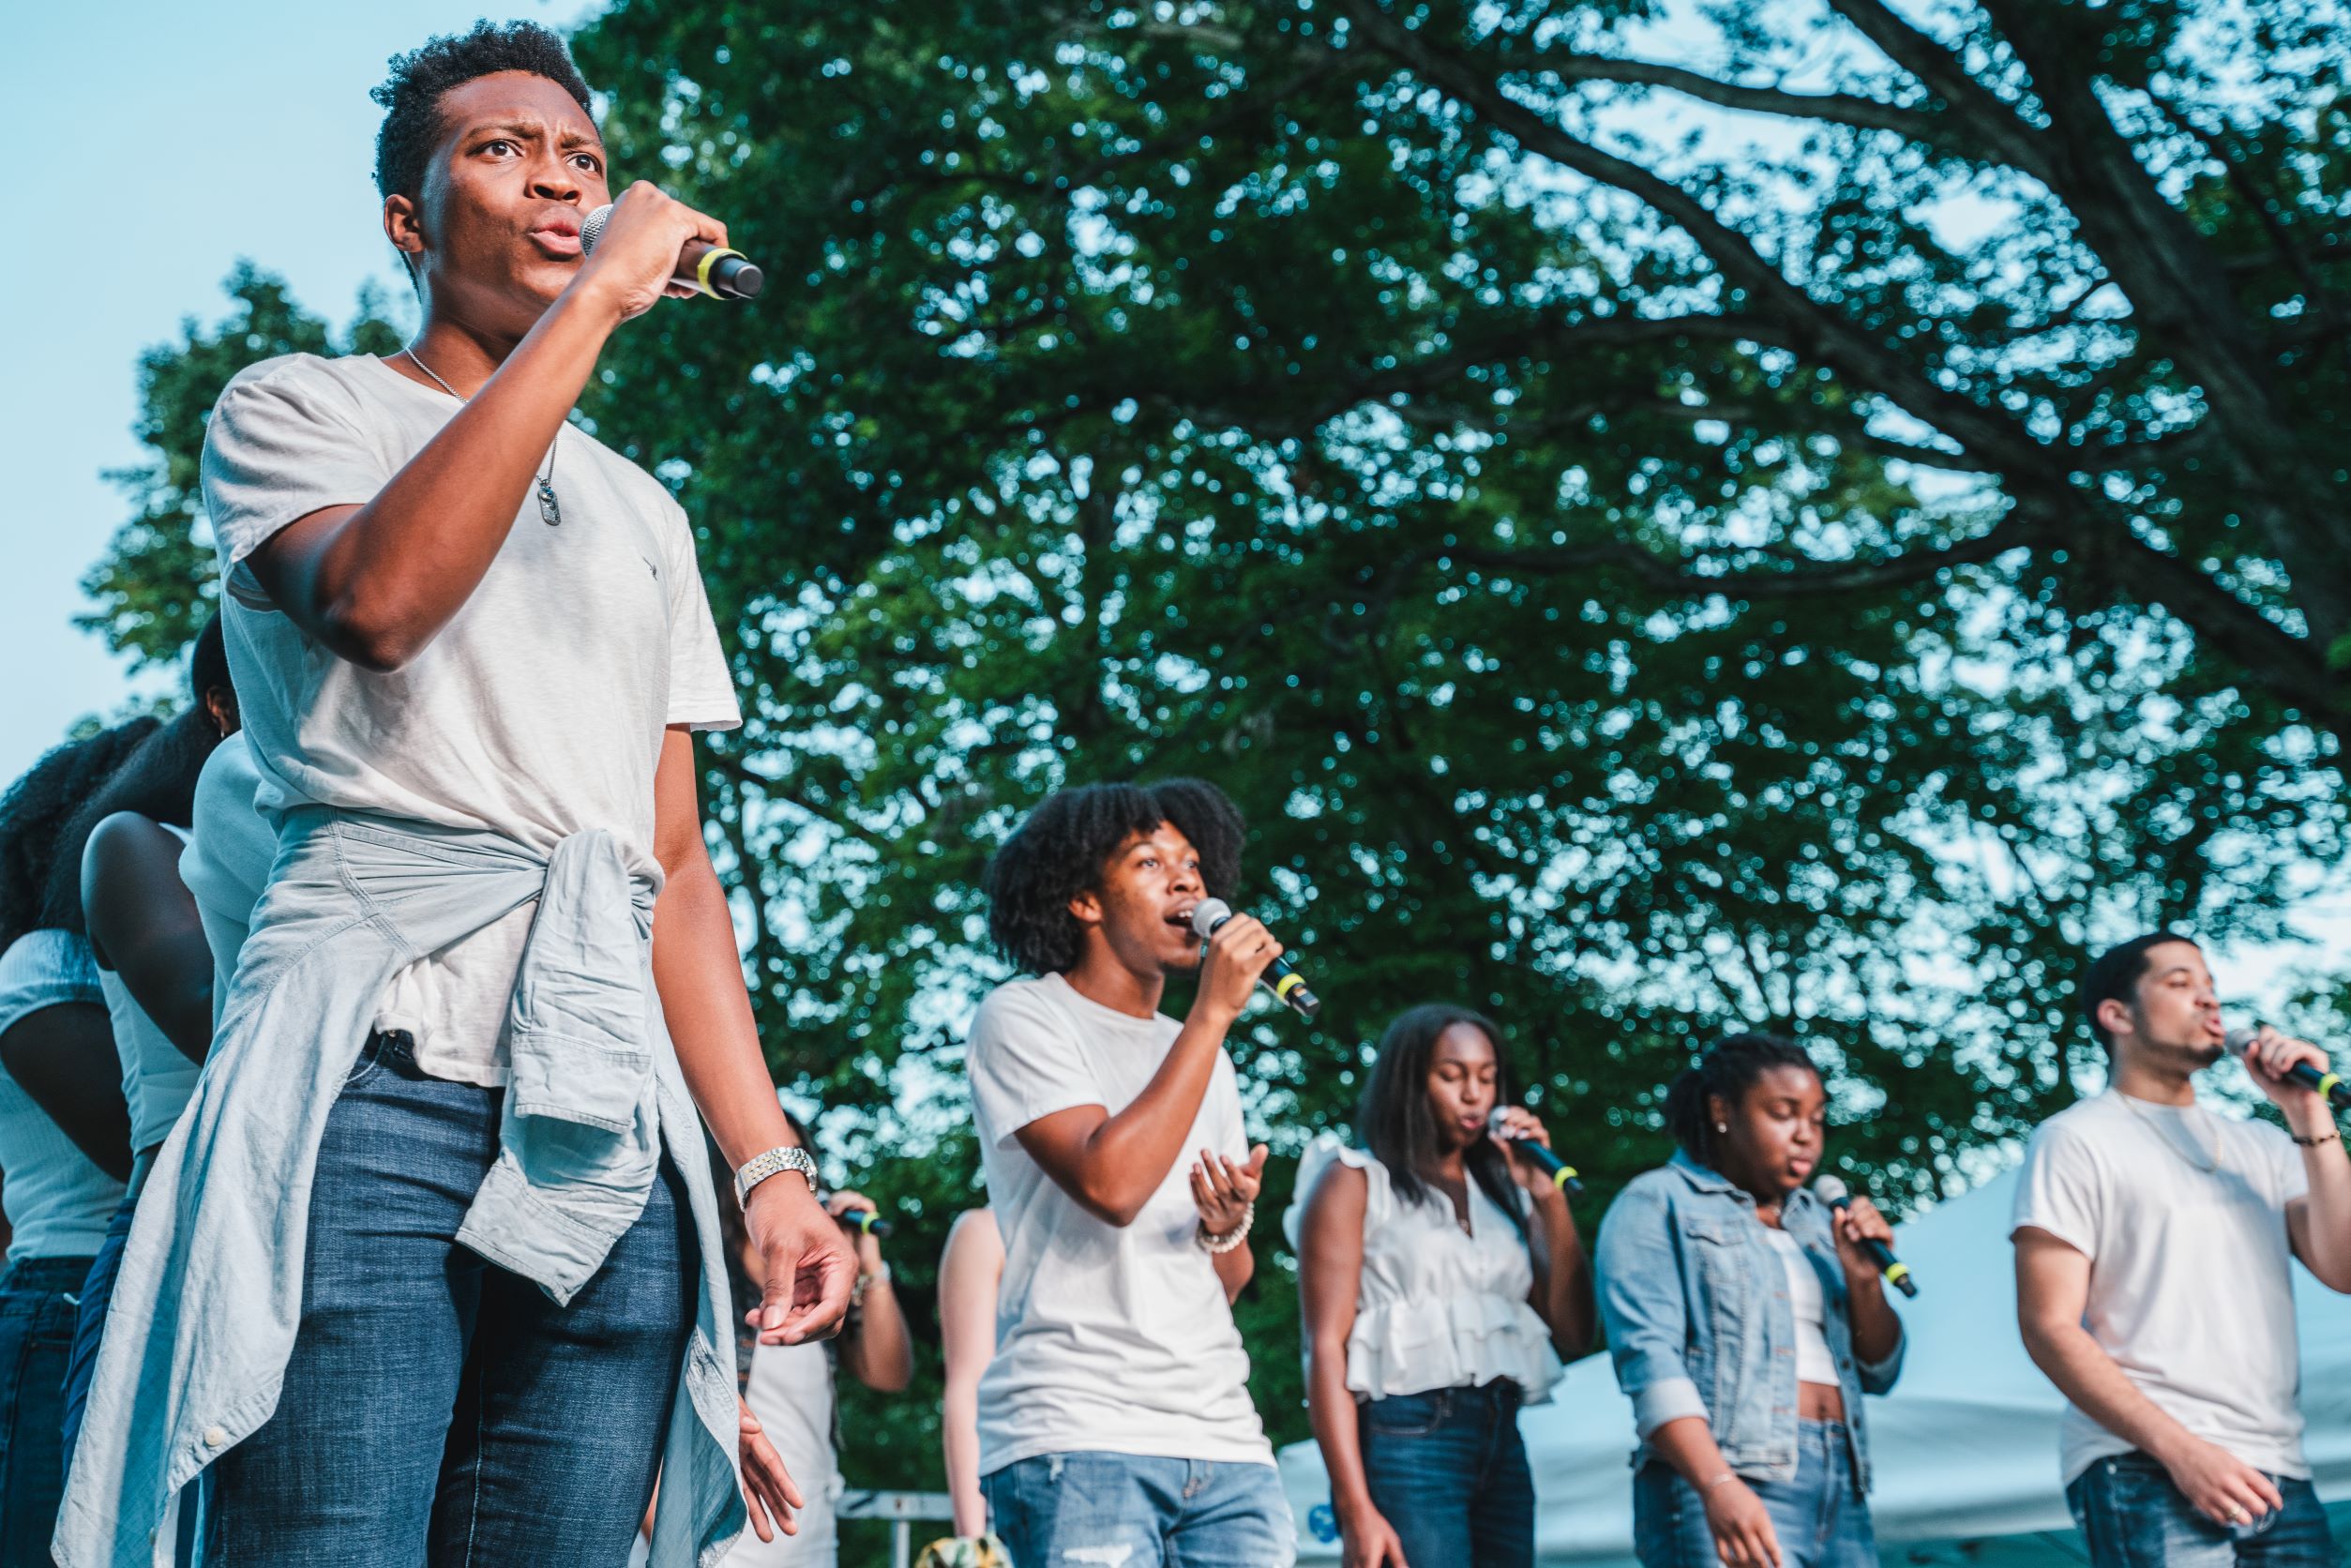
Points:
1831	1189
592	227
2239	1038
1208	914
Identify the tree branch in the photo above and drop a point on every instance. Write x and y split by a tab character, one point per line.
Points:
1914	124
1985	432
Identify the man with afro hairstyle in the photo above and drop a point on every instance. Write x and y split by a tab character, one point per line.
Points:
430	1272
1114	1420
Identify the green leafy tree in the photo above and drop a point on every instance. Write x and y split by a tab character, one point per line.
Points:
1771	517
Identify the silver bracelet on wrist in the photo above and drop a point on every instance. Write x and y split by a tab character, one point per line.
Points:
774	1162
1216	1246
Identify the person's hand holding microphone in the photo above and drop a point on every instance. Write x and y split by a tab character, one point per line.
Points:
632	256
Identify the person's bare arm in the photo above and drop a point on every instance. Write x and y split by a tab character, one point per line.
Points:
1329	1280
875	1348
1562	1295
63	1058
1112	1165
375	583
805	1261
970	1272
2319	1224
2052	1290
143	926
1562	1291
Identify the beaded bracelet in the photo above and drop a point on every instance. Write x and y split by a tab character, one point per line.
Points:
1219	1246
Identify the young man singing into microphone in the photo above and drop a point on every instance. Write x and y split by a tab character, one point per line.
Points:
1114	1421
431	1271
2153	1246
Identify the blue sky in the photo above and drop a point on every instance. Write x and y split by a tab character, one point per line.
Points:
152	145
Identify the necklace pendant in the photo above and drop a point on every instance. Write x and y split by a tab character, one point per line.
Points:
550	513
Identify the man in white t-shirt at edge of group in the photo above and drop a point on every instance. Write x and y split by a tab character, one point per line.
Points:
1115	1422
2153	1246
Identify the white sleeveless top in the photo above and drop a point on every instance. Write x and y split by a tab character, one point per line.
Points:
1437	1307
157	1078
58	1202
790	1390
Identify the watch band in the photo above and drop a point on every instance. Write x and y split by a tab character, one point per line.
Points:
759	1167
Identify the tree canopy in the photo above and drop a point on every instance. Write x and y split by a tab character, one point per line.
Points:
1796	516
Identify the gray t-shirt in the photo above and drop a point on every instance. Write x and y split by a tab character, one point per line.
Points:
537	712
1108	1339
2190	1284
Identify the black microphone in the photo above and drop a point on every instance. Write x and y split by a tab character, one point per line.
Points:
1897	1273
867	1221
2337	1094
1279	977
717	271
1561	1173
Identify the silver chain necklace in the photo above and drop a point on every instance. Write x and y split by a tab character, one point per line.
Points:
2160	1127
551	510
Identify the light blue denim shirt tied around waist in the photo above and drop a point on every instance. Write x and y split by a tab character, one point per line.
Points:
210	1294
1700	1322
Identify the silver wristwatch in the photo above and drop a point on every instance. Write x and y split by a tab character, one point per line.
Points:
759	1167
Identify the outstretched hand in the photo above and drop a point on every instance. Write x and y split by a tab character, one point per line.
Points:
1223	1191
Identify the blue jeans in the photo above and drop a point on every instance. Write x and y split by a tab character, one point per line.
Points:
1819	1518
1448	1472
35	1333
1131	1511
2133	1516
438	1409
98	1289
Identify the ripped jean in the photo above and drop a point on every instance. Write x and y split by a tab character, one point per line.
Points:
1128	1511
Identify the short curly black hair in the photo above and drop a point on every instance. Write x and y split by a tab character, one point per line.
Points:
1061	850
411	95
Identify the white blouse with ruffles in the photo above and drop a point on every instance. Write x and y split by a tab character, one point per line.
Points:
1438	1306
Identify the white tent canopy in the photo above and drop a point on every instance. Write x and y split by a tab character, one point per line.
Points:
1964	1450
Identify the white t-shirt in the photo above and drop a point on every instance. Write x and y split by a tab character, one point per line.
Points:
2189	1289
1109	1338
57	1201
226	864
537	712
157	1077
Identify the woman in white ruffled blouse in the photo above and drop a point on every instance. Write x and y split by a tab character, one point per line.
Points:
1440	1282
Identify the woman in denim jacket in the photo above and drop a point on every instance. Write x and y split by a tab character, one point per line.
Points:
1746	1323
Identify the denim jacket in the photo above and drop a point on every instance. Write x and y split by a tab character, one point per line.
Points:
1696	1305
209	1297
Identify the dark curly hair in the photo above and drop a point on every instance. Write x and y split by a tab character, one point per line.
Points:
1395	1124
37	807
411	95
158	780
1061	850
1729	1068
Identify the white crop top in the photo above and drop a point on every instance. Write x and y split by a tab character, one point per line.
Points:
1814	1364
1436	1308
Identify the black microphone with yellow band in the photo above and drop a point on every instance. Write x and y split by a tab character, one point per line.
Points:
1561	1173
2336	1092
1279	977
1897	1273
